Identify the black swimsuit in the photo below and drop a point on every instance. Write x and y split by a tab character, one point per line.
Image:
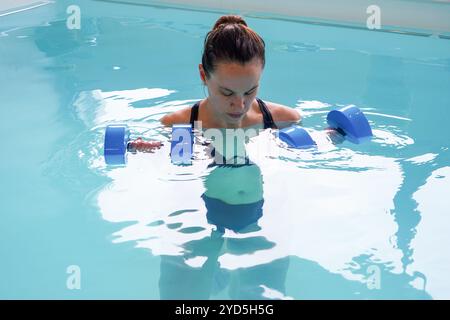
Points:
267	116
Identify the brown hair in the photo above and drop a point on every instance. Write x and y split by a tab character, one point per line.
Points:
231	40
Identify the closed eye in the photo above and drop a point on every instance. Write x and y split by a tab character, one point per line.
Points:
230	94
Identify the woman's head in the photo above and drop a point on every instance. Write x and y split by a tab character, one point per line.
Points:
232	63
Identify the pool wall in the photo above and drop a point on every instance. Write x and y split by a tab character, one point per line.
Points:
425	15
420	17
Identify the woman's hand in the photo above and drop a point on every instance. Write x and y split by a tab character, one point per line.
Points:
143	146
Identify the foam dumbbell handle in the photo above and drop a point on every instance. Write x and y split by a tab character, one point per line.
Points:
115	146
296	137
351	122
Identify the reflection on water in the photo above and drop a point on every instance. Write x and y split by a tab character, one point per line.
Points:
233	199
212	225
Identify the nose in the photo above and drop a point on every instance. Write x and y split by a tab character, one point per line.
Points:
238	103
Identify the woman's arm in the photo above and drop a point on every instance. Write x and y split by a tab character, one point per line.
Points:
283	116
180	116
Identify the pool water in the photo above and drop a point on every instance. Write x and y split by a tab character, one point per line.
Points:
343	221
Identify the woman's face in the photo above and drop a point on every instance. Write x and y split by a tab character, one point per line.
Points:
232	89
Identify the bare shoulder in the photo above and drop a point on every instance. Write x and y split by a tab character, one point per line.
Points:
283	115
180	116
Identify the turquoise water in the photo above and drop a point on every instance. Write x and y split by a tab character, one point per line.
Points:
348	221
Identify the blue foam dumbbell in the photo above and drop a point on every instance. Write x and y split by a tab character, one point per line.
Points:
116	142
117	138
349	121
352	123
296	137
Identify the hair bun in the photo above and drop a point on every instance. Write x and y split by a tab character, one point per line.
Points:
229	19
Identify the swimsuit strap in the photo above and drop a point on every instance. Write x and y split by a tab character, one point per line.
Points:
267	116
194	114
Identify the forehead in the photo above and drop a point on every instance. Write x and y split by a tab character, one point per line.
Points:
234	75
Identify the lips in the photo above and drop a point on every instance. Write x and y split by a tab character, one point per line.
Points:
235	115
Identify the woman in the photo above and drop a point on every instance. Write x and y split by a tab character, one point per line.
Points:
232	64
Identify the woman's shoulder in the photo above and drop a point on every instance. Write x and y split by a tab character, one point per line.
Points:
180	116
282	114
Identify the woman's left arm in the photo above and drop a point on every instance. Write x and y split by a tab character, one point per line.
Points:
284	116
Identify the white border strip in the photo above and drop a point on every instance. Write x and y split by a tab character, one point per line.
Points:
26	8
